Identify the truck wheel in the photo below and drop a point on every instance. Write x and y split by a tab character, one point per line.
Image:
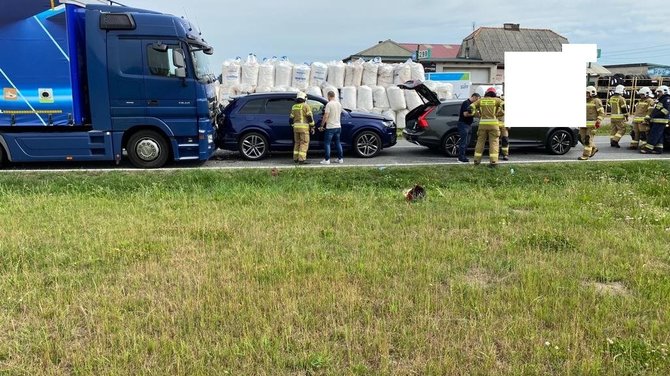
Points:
147	149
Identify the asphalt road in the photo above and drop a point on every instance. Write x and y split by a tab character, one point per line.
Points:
402	154
406	153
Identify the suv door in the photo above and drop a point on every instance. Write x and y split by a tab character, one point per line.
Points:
275	120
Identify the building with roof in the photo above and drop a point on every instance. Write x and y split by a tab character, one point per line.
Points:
491	43
640	69
435	57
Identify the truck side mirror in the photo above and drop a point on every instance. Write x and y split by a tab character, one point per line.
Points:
178	58
160	47
208	50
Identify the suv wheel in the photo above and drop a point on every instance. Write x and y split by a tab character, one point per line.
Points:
559	142
450	144
367	144
253	146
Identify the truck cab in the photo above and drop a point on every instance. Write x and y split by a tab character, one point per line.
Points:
138	82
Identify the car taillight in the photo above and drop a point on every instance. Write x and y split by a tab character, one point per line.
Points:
422	122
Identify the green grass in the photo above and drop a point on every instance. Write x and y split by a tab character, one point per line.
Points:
552	269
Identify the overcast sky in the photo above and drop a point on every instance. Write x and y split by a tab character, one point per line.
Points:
626	31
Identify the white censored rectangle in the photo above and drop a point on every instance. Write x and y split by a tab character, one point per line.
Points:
547	89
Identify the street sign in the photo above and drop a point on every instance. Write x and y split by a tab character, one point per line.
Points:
425	54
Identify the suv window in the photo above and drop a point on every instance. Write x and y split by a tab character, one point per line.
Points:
279	106
449	110
316	106
252	107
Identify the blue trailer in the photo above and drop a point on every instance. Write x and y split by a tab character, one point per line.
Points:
86	82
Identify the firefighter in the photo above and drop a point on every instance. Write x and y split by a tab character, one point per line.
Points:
504	131
658	121
643	109
619	115
594	115
488	109
302	121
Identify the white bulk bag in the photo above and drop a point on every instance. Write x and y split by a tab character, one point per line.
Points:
402	73
432	85
412	99
370	70
396	98
418	73
314	90
291	89
301	76
266	75
336	70
364	100
231	72
318	74
444	91
400	118
263	89
389	114
349	97
376	110
279	89
250	70
379	98
354	73
327	88
385	75
283	72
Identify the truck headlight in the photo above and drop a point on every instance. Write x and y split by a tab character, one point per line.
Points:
210	138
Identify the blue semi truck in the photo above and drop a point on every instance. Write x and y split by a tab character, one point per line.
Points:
100	81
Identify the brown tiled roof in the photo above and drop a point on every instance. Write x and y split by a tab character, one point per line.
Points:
491	43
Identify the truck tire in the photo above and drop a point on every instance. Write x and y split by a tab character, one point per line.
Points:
148	149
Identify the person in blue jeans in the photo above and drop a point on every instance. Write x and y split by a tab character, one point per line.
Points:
331	124
465	119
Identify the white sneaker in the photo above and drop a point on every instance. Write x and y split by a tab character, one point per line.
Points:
325	162
339	160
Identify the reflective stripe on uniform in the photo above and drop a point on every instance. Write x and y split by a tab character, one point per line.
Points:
488	122
590	123
638	119
659	121
301	126
617	116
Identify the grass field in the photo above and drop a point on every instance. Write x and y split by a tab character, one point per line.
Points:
547	269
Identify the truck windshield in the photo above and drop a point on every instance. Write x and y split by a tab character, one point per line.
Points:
200	63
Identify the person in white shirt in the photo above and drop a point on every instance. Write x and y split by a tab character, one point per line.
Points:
331	124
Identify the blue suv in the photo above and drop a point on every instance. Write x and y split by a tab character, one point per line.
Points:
257	124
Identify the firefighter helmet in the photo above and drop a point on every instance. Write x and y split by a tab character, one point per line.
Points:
491	90
619	89
301	95
591	90
663	90
645	91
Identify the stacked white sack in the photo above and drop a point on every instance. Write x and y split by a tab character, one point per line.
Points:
249	79
389	114
413	99
301	76
336	70
385	75
283	71
376	111
370	71
349	97
379	98
402	73
364	101
444	91
314	90
396	98
266	76
327	88
230	75
400	118
418	73
353	74
318	74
